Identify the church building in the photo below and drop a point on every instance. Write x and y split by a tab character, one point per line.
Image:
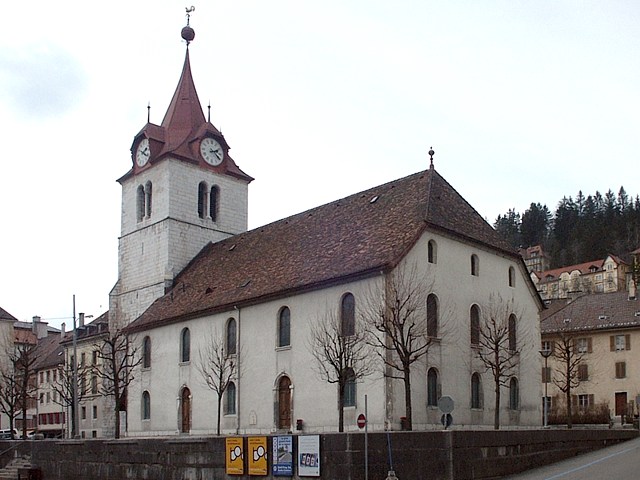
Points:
190	272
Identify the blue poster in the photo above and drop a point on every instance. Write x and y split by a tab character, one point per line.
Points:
282	456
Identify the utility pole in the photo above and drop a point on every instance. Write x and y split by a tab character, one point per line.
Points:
74	406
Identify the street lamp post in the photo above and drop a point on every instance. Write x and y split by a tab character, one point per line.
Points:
546	353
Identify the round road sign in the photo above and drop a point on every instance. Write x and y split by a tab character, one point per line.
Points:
362	420
445	404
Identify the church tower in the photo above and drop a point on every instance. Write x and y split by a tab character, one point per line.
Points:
183	191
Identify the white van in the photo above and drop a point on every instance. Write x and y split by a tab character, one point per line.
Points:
8	434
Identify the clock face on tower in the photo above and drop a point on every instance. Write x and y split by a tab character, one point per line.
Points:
143	152
211	151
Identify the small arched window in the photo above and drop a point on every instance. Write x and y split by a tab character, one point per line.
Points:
230	399
148	197
350	388
146	405
432	388
513	345
214	201
284	327
475	265
231	336
432	316
202	199
474	319
146	352
140	208
476	391
514	394
348	315
185	345
512	277
432	252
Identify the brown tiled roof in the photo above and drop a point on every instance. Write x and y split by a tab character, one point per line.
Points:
4	315
97	327
599	311
550	275
49	352
356	236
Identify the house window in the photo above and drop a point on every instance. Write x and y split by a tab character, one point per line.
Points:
475	265
350	389
214	200
231	336
95	411
512	277
585	401
202	199
514	394
284	327
432	316
230	399
432	388
619	343
348	315
583	372
146	405
83	412
583	345
185	345
621	369
512	333
432	252
94	384
146	352
95	357
475	324
476	391
83	359
546	374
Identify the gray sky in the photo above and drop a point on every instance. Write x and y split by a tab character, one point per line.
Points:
522	102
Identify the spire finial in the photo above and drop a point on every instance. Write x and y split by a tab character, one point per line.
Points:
148	112
209	112
187	32
431	154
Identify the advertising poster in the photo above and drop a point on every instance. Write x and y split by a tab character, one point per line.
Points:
234	456
257	448
309	455
282	456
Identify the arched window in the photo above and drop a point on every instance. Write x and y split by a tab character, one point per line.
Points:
514	394
512	277
185	345
474	317
348	315
146	405
147	191
284	327
231	336
432	252
140	198
146	352
475	265
432	316
476	391
230	399
350	388
512	333
185	410
202	199
432	388
214	200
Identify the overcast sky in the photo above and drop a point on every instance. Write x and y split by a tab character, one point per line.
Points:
522	102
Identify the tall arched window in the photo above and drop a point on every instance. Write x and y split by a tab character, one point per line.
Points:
514	394
474	318
350	388
146	405
148	197
348	315
432	388
284	327
230	399
185	345
512	277
202	199
432	252
214	201
513	345
146	352
475	265
231	336
476	391
432	316
140	198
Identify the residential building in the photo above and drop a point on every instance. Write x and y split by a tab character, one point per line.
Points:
50	408
535	258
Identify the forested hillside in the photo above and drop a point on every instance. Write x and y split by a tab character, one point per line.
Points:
579	230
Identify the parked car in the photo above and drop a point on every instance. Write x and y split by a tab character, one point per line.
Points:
8	434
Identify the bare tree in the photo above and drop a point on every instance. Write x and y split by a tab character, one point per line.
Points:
397	326
9	395
567	378
117	358
497	348
63	389
23	358
217	367
340	358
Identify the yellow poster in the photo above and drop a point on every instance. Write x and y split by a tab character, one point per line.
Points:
235	456
257	449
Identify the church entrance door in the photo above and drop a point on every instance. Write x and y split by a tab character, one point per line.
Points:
284	403
185	411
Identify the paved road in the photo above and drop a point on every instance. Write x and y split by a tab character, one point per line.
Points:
619	462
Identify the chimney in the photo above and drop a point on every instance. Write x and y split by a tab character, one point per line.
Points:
34	325
632	290
39	327
62	330
81	319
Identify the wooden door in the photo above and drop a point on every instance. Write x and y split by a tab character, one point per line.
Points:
284	403
185	411
621	403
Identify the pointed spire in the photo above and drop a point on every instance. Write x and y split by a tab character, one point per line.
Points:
431	154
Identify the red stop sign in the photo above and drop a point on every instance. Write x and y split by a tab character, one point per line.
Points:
362	420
